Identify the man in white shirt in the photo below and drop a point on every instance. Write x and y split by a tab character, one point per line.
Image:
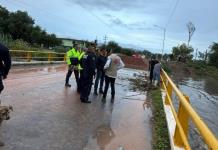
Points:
113	64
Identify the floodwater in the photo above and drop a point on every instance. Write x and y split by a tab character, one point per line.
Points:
48	116
203	94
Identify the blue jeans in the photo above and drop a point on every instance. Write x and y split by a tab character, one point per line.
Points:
100	76
156	76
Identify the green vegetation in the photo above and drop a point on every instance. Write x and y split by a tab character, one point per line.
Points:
201	68
18	31
213	56
182	51
166	68
160	132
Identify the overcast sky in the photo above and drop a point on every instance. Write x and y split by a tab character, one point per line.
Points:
128	22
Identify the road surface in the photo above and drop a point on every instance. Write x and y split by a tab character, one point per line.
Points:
48	116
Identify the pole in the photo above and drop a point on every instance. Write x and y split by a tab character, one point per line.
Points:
163	43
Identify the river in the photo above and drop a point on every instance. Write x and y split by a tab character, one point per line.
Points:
203	94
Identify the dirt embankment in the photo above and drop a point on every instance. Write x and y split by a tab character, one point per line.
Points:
180	70
135	63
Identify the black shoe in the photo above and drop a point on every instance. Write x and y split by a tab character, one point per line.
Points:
2	144
101	92
67	85
86	101
112	99
103	99
95	92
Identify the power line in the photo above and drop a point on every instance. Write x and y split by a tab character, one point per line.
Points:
172	13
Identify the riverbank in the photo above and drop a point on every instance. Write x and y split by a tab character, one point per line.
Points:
193	69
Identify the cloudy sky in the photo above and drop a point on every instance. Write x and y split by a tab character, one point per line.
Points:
128	22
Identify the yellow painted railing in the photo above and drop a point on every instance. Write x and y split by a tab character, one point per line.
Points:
21	55
185	112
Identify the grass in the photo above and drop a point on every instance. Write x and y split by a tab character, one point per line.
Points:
160	130
159	125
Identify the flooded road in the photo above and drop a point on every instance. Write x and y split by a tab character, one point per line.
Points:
203	94
48	116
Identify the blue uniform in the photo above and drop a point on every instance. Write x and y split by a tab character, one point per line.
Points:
89	66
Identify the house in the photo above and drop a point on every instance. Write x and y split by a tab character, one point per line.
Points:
67	42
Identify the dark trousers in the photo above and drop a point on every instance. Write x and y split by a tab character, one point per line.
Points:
86	86
151	74
100	76
69	73
111	81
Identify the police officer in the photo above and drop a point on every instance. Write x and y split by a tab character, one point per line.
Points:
89	66
5	65
72	61
80	67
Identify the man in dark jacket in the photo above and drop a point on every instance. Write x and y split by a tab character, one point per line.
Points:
5	64
101	60
89	66
152	62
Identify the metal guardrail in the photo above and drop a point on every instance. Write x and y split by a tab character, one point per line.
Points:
28	56
185	112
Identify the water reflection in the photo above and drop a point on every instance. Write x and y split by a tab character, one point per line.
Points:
203	95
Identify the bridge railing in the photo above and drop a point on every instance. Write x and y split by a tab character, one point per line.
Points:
28	56
182	116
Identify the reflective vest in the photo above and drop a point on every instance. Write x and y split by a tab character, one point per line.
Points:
72	54
81	54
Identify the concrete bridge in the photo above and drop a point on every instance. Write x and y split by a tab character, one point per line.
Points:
48	116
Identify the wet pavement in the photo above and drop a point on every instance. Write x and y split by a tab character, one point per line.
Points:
48	116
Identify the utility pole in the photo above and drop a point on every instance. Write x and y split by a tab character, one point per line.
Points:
105	39
164	36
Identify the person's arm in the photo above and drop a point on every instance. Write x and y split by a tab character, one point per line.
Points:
121	65
107	63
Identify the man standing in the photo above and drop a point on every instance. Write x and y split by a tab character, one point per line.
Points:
113	64
89	66
5	65
152	62
156	73
101	60
72	61
80	67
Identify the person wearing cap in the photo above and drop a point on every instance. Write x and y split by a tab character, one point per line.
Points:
89	67
72	61
113	64
101	60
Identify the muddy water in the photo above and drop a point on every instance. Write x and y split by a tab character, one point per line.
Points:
203	94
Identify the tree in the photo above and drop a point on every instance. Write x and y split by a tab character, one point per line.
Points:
147	53
191	30
114	46
183	51
4	15
20	25
213	56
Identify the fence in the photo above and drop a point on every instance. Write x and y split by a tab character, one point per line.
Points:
182	116
28	56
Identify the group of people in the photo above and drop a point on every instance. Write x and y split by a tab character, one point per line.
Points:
155	70
88	64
